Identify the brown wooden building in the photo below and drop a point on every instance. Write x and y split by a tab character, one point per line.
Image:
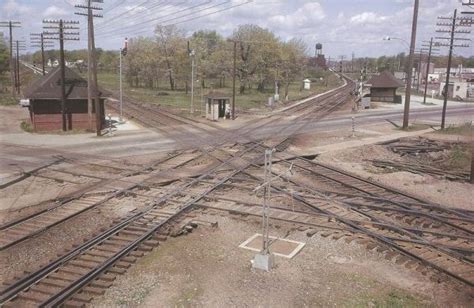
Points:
383	88
44	97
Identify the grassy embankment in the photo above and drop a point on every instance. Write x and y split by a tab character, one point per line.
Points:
26	78
180	101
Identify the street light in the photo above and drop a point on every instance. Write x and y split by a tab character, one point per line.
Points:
390	38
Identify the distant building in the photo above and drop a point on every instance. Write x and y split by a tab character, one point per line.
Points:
383	88
456	89
44	97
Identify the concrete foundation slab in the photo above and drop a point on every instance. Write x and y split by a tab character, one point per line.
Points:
278	246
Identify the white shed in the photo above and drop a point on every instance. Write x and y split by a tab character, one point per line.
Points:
306	84
217	106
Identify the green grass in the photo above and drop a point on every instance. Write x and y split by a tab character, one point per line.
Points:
459	157
179	100
6	98
466	129
26	126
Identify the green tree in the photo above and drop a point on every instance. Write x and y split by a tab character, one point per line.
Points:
4	57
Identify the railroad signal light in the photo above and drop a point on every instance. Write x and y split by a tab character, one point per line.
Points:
125	47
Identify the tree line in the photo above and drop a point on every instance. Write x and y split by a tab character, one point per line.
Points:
164	60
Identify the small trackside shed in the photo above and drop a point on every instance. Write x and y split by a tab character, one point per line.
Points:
217	106
44	97
383	88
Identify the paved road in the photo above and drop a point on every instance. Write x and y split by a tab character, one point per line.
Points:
431	115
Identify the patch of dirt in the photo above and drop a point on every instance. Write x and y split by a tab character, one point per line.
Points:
11	117
435	189
208	269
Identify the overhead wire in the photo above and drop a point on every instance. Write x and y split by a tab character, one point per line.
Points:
130	12
166	8
164	23
131	28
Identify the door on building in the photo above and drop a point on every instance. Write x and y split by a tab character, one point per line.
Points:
221	108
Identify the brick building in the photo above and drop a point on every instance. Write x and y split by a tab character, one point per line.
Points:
44	97
383	88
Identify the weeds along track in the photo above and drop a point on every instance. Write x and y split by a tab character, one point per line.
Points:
84	199
27	227
419	238
84	272
79	270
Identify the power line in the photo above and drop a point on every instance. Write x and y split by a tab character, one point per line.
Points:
130	12
11	24
452	25
190	19
60	25
170	19
92	84
37	40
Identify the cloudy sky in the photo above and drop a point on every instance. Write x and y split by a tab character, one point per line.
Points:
343	26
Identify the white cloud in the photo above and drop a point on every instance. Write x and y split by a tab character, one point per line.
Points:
367	18
54	11
305	16
11	8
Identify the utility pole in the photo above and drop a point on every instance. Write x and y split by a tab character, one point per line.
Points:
419	71
431	50
406	112
427	70
192	54
11	24
341	63
19	45
92	84
233	79
37	40
352	62
454	22
62	35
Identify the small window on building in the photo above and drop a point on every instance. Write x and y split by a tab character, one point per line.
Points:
458	87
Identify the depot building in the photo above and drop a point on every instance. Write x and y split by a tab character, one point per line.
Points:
43	99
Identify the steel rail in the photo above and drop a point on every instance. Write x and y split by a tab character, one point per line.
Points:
28	280
27	174
386	240
236	171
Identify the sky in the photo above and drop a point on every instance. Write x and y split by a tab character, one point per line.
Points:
342	26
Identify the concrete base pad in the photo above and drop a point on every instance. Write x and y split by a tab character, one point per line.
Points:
278	246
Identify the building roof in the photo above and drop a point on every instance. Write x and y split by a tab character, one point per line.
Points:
49	86
384	80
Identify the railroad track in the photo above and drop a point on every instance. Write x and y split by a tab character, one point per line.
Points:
14	232
46	288
32	284
418	232
437	237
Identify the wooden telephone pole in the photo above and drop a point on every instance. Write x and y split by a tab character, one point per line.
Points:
453	23
92	84
37	40
406	111
62	34
430	52
18	45
11	24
